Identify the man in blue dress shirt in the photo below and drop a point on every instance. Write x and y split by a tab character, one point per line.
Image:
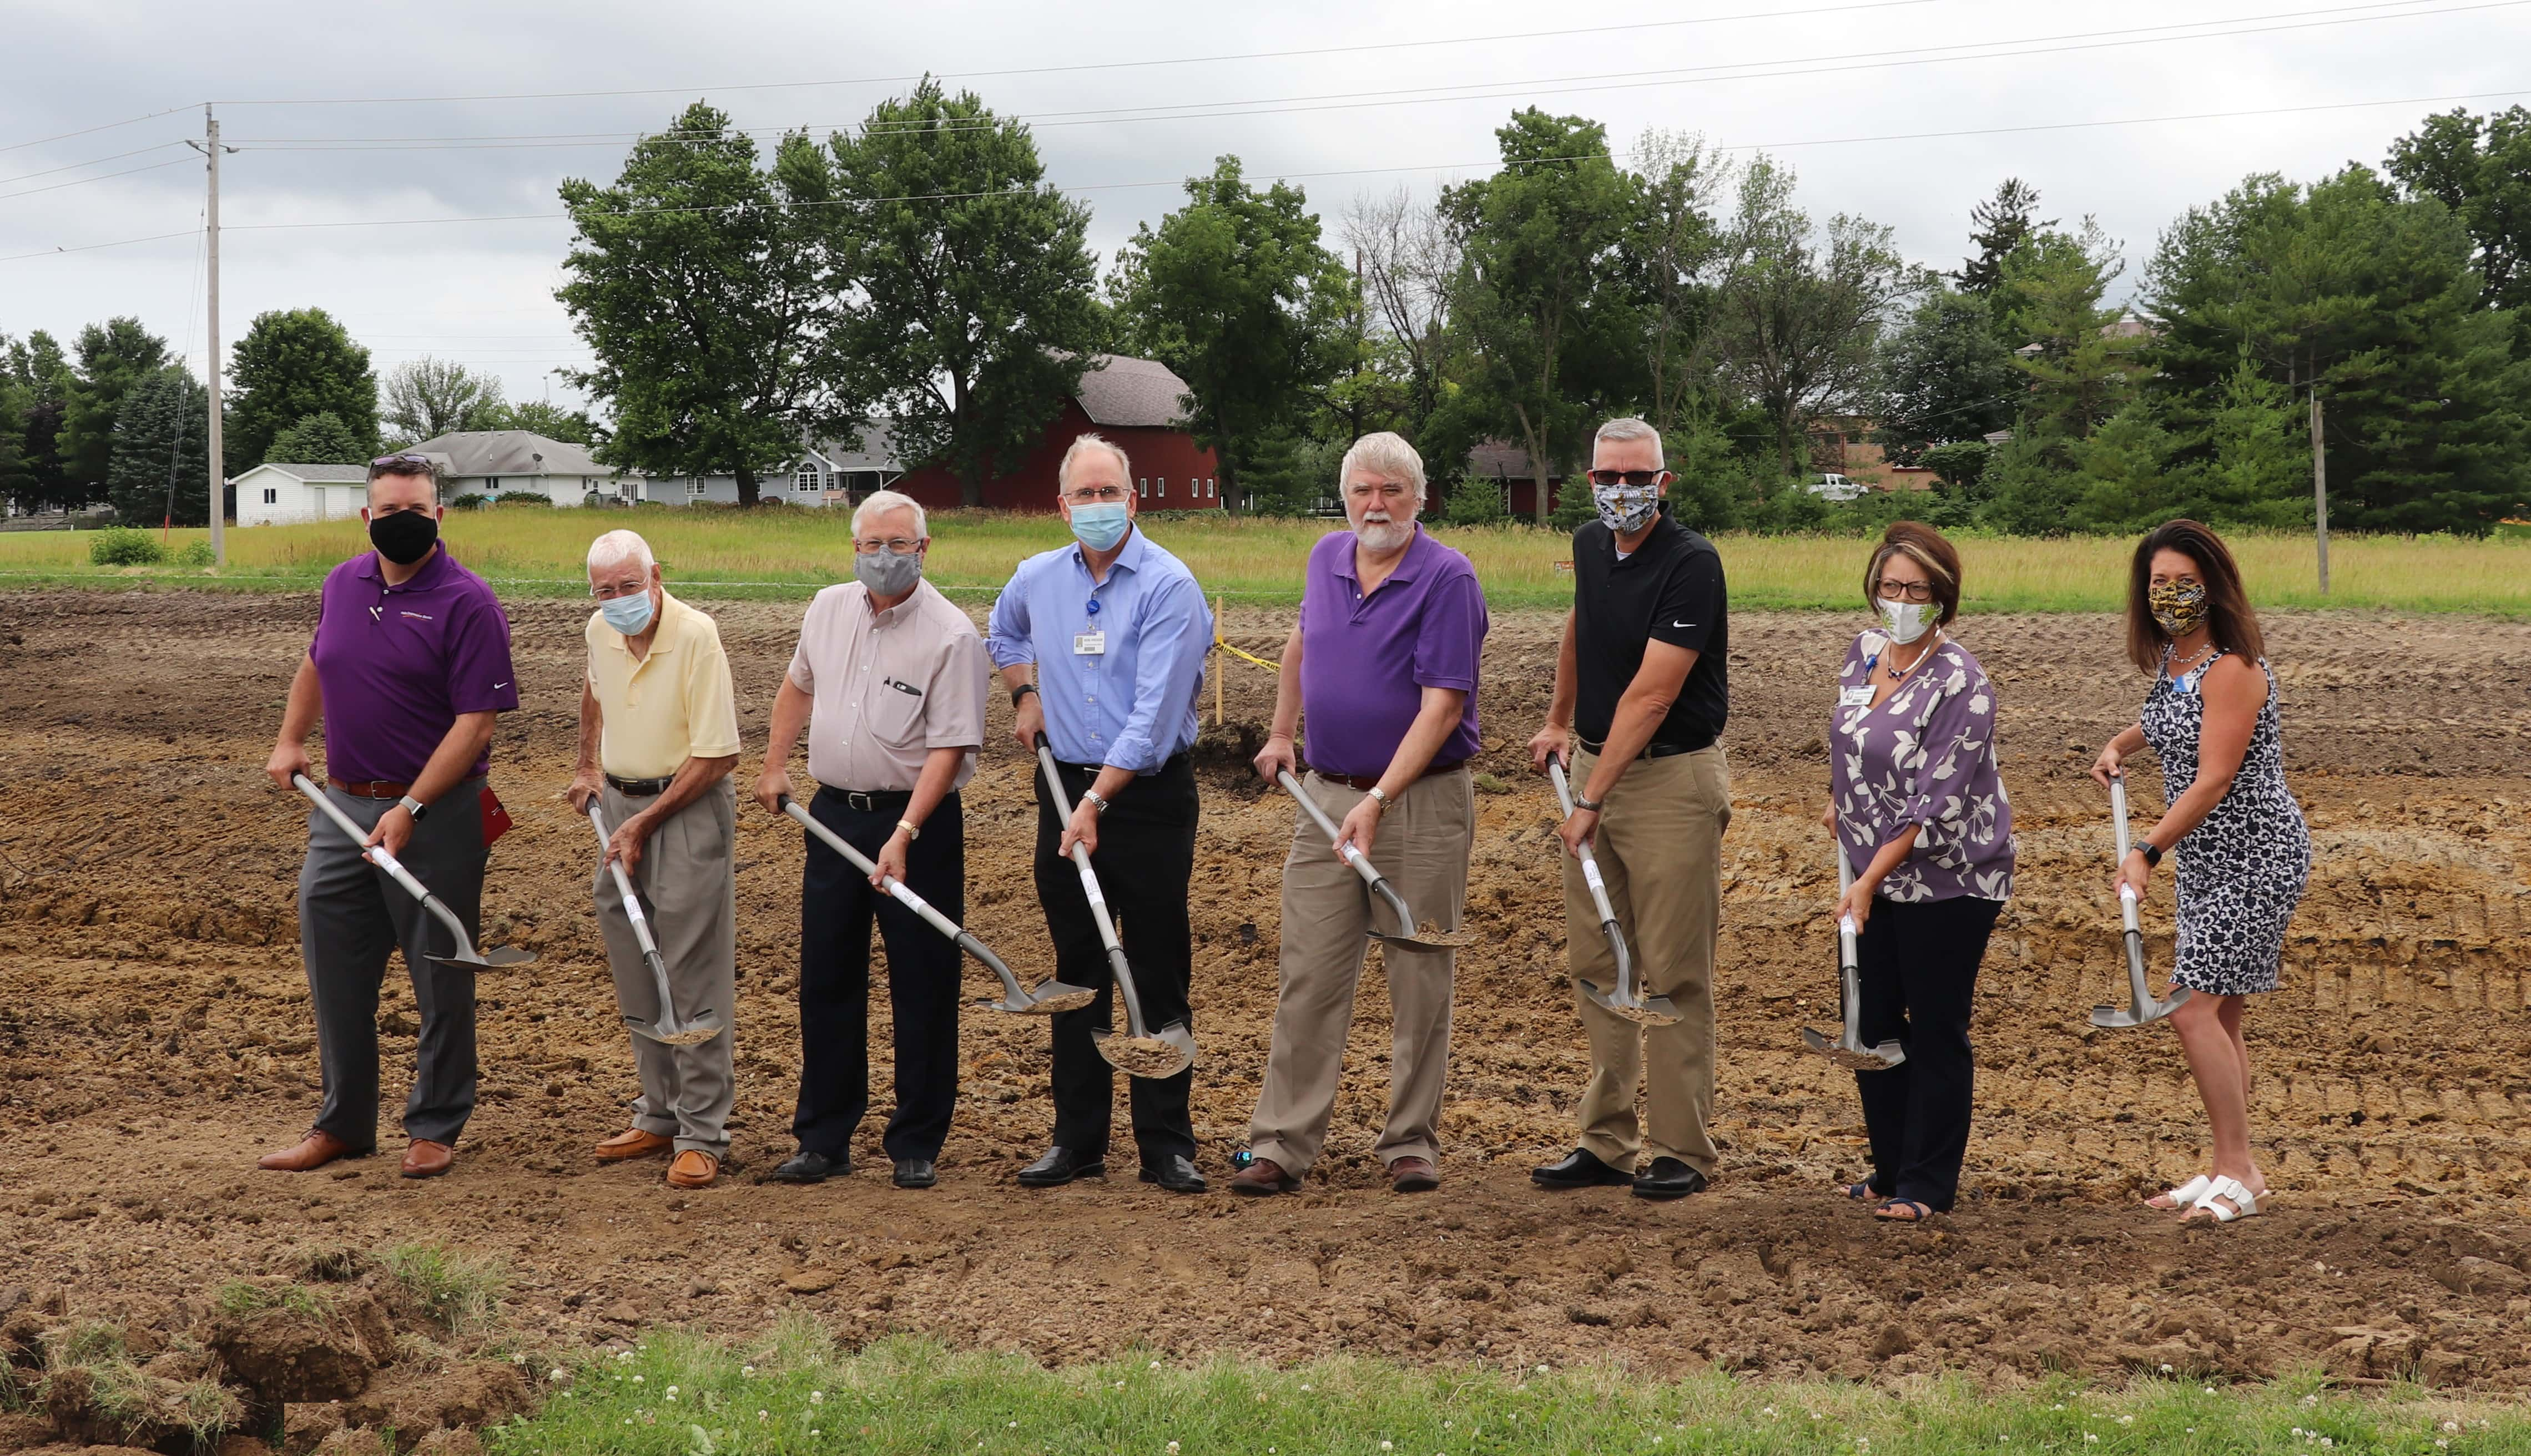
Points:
1102	646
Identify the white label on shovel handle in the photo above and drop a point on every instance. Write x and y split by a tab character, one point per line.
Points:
1591	875
384	859
1845	925
906	897
633	912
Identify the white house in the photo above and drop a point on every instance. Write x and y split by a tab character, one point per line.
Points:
275	495
515	462
825	474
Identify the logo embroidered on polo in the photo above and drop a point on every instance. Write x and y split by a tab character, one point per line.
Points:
417	616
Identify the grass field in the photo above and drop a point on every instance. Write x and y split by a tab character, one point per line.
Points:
1257	561
680	1397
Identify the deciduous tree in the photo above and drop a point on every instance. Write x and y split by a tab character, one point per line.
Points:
425	398
290	365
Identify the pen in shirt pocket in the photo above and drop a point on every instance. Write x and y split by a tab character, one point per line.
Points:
903	687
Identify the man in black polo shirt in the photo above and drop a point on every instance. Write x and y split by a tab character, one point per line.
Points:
1639	700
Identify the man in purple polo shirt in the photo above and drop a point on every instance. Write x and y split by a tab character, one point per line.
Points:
408	667
1383	664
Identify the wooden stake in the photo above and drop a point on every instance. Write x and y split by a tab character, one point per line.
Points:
1221	662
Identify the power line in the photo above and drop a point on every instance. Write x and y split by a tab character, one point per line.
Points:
92	162
1265	55
55	187
2132	121
107	127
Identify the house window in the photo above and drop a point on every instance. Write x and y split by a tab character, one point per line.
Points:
1163	490
805	482
271	495
1142	486
1210	492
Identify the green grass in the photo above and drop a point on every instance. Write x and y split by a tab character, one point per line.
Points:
458	1291
683	1396
789	553
241	1297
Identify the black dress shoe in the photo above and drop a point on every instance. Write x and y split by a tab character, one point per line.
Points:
915	1172
1060	1166
1668	1178
805	1166
1174	1173
1578	1169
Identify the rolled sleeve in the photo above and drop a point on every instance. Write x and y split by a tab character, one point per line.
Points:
1450	639
953	715
481	678
1176	629
711	699
1006	628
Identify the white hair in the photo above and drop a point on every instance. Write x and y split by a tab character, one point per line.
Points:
620	545
1092	441
1388	454
881	502
1631	428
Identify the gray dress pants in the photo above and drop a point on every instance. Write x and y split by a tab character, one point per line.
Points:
350	915
688	884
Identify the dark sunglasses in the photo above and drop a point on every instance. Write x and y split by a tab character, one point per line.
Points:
1636	479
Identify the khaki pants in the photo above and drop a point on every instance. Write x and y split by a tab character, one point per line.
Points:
1328	914
688	884
1660	850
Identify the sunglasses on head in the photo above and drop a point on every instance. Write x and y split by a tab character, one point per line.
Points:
388	463
1636	479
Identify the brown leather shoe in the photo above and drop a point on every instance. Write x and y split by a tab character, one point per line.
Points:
313	1151
1413	1175
694	1168
1263	1177
630	1143
428	1160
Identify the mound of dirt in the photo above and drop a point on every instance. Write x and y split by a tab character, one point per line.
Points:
154	1036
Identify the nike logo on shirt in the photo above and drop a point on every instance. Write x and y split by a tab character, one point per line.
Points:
497	687
1682	624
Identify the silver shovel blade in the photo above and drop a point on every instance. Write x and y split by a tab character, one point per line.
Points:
1048	1000
2143	1012
1165	1053
1429	936
1644	1011
1855	1059
692	1033
498	958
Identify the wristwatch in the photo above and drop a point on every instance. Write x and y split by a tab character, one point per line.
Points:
2151	851
1020	692
414	807
1593	805
912	830
1097	803
1380	796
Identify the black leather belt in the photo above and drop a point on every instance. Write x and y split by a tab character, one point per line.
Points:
640	788
872	800
1651	750
1363	785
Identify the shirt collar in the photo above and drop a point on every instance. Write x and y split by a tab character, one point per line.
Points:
672	614
433	567
1129	558
890	616
1419	550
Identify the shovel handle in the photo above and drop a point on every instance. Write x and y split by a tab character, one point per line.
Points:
1080	854
1345	850
1590	866
895	888
623	884
378	855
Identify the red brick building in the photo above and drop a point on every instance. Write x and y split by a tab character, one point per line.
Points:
1135	403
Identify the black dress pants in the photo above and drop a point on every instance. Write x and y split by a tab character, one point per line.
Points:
1918	967
837	902
1145	859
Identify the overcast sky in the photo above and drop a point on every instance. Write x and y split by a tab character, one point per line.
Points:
1382	102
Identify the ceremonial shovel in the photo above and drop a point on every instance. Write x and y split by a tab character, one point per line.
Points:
466	956
1048	1000
1429	935
1141	1051
667	1031
2141	1008
1644	1011
1848	1051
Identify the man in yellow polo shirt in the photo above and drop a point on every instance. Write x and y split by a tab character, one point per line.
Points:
658	735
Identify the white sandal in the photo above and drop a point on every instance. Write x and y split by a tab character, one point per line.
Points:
2244	1204
2184	1197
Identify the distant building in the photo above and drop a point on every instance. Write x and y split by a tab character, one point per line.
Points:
1515	474
1137	403
516	461
277	495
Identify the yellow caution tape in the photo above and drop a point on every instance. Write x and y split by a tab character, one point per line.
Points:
1270	666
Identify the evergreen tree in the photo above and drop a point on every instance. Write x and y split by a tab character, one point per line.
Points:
113	359
1998	226
322	438
161	432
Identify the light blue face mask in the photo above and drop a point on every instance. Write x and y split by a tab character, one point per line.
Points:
629	615
1101	524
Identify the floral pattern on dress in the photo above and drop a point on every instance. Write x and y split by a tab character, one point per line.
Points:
1923	756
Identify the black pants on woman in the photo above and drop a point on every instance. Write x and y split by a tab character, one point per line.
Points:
1917	966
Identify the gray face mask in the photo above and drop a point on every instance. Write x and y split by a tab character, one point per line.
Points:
887	574
1626	509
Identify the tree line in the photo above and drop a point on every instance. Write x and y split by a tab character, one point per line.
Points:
919	271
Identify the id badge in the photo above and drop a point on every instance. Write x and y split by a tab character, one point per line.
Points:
1855	697
1089	645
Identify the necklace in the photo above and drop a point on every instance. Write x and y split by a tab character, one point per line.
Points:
1890	661
2175	667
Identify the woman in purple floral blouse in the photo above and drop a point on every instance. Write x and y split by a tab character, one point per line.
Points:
1920	815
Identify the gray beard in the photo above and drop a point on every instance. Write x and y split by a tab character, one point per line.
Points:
1384	535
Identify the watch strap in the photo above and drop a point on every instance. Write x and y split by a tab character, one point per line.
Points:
1020	692
412	806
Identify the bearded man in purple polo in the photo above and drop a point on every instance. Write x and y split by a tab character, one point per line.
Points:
408	667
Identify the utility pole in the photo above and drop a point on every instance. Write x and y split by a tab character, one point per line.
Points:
209	147
2320	488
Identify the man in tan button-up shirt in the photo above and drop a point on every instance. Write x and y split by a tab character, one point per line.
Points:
658	735
889	679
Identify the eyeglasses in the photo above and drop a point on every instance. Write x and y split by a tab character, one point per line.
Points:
1095	494
1915	591
609	591
1637	479
895	546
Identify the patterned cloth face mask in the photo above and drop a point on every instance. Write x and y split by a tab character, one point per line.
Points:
2180	607
1626	509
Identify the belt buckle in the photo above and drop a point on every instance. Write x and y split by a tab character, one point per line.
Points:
859	801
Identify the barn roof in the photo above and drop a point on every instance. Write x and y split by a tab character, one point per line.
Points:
1132	393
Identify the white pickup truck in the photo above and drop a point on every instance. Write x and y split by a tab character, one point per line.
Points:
1830	486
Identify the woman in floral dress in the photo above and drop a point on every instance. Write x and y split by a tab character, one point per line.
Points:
1920	817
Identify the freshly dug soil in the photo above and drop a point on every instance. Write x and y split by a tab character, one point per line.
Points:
154	1036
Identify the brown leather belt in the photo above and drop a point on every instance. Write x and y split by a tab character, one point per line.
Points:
369	789
1366	785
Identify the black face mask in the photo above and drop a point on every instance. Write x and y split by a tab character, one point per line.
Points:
403	536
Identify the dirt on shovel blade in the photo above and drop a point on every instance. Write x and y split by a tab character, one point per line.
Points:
1142	1056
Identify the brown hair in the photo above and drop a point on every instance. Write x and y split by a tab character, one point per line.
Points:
2228	617
1925	546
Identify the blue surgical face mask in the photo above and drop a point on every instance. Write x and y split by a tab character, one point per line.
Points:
629	615
1099	524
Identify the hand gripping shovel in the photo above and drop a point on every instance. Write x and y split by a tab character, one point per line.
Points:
1141	1051
1048	1000
1643	1011
1848	1051
464	957
1428	935
667	1031
2141	1008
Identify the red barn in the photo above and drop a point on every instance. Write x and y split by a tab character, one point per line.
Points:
1133	402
